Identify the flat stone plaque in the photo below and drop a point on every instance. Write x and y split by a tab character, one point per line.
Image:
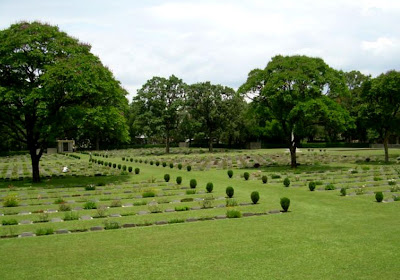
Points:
86	218
96	228
26	234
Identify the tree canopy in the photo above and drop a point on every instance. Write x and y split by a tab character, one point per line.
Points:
46	77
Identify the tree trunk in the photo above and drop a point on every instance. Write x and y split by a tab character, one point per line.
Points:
97	143
293	162
35	165
385	146
210	142
167	143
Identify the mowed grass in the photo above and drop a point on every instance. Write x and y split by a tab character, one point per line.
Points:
324	236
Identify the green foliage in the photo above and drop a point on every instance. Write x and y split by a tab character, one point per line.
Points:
230	202
264	179
190	191
230	191
187	199
164	164
151	162
343	191
179	166
59	201
71	216
137	170
379	196
179	180
207	202
188	168
43	217
392	182
286	182
89	205
124	167
209	187
119	166
285	203
116	203
230	173
275	176
111	225
166	177
171	165
157	163
101	211
148	194
182	208
9	222
329	187
255	197
44	231
312	185
10	200
176	221
64	207
232	213
246	175
193	183
130	169
90	187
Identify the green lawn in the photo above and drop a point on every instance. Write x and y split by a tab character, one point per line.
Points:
324	236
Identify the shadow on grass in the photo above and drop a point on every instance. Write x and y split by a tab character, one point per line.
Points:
68	181
298	170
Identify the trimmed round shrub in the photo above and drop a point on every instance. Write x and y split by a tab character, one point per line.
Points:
180	166
230	173
130	168
137	170
151	162
232	214
264	179
312	186
179	180
193	183
343	191
124	167
123	158
131	159
209	187
255	197
285	203
157	163
379	196
166	177
171	165
164	164
246	175
114	165
188	168
230	191
109	164
286	182
119	166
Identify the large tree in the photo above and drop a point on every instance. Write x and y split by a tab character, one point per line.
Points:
209	105
46	77
159	104
299	93
381	106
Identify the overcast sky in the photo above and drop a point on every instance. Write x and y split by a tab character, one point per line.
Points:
221	41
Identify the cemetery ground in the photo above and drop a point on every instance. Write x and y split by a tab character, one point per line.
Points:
103	222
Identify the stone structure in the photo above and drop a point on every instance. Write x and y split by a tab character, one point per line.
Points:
65	146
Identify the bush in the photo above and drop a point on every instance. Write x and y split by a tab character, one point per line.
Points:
329	187
64	207
190	191
164	164
312	186
10	201
116	203
233	214
275	176
193	183
379	196
180	166
188	168
246	175
131	159
187	199
166	177
230	202
151	162
286	182
157	163
343	191
179	180
207	202
119	166
264	179
171	165
43	217
154	207
230	191
44	231
176	221
89	205
130	168
124	167
140	160
71	216
111	225
209	187
114	165
182	208
285	203
255	197
9	222
90	187
59	201
392	182
148	194
230	173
